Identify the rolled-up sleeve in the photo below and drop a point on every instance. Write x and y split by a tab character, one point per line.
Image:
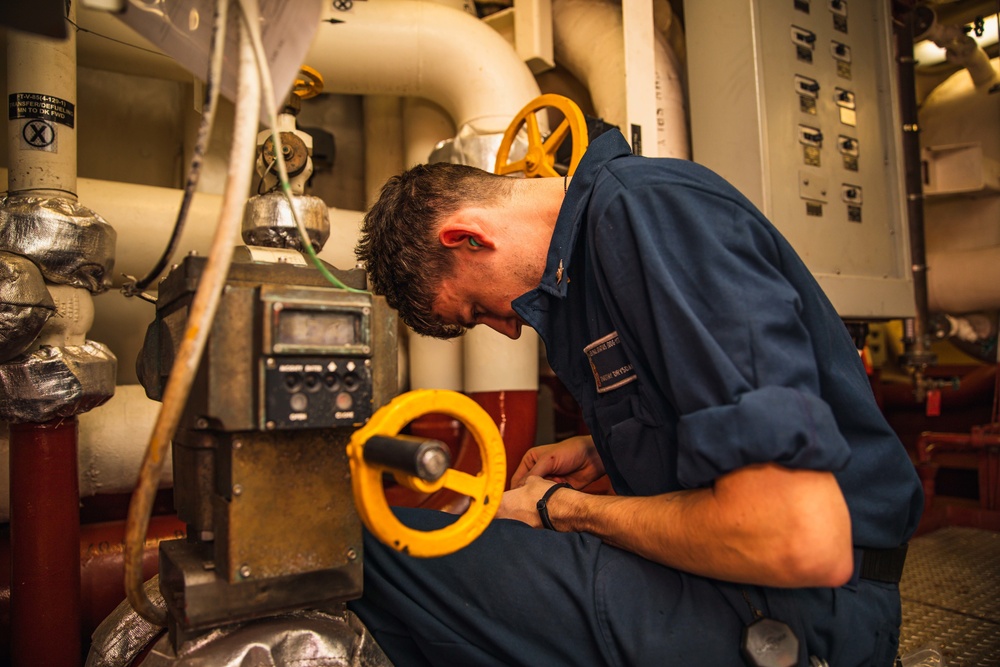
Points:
768	425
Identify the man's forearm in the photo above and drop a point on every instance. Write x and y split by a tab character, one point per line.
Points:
763	524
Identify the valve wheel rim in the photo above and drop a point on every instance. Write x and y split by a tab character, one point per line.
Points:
485	488
539	161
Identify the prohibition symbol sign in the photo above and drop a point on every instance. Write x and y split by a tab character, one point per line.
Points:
38	133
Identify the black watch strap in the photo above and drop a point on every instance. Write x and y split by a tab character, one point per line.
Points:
543	502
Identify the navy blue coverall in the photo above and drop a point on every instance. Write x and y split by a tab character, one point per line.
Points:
696	342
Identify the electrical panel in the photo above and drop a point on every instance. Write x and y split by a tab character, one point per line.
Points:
794	103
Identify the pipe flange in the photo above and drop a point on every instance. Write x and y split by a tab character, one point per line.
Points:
71	244
268	221
25	304
54	382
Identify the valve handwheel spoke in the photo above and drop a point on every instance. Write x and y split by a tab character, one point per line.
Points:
540	158
473	486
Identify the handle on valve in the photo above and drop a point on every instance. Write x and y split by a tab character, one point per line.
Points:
484	489
417	457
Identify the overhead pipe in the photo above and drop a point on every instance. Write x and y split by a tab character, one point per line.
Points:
423	49
960	48
589	41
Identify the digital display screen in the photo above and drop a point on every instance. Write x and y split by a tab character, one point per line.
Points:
317	328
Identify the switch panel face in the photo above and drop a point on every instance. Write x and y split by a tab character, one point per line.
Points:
793	101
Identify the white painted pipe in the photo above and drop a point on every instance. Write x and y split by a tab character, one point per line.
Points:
493	362
433	363
41	132
383	132
423	49
425	124
589	41
964	281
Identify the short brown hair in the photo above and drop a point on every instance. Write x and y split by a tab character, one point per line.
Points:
399	246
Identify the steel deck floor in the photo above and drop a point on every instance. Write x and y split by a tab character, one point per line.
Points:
951	596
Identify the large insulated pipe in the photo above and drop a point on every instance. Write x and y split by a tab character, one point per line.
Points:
45	544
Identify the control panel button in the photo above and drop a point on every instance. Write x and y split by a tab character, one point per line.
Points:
344	401
298	402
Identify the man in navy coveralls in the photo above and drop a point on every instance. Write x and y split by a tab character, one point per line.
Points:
754	475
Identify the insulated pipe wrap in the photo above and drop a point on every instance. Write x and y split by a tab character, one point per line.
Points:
71	244
268	221
54	382
25	304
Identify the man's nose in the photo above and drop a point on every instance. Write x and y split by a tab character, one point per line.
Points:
508	326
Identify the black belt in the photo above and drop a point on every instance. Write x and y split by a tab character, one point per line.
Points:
885	565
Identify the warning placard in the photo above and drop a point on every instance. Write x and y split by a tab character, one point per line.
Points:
44	107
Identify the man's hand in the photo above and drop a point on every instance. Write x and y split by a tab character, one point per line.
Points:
521	503
574	460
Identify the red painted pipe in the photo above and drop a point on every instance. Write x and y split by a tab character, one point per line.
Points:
45	544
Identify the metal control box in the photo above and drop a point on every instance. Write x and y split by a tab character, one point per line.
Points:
316	358
794	102
291	368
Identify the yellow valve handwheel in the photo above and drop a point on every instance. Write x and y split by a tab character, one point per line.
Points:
541	156
485	488
308	84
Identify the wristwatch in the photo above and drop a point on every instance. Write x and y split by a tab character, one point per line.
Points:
543	502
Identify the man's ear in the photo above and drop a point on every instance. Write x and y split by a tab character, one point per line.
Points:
456	233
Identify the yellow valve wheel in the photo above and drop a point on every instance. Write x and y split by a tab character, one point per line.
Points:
485	488
308	84
541	156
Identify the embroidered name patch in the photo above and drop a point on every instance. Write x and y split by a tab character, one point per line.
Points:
609	363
